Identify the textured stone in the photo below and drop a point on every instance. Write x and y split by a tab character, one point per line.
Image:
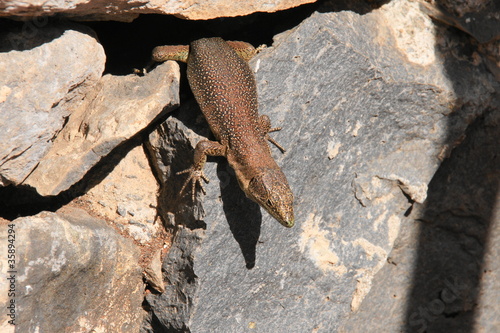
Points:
119	108
153	274
127	11
480	19
127	197
74	274
369	111
44	75
443	274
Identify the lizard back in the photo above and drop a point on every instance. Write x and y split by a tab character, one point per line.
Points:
224	87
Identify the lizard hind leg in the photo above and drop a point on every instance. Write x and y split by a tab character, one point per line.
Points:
170	52
265	126
245	50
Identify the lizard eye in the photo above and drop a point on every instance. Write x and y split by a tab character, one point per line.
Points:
269	203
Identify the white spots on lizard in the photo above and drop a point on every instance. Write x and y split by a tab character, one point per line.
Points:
316	244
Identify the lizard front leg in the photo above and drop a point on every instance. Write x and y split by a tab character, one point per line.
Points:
245	50
203	149
265	127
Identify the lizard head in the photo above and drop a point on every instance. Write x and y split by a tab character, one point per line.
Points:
271	191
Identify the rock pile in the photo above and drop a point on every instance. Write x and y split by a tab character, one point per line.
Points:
389	119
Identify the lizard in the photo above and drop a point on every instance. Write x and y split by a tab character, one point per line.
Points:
225	89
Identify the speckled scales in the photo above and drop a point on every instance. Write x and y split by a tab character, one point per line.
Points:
225	89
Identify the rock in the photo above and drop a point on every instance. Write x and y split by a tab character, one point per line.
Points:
127	197
60	64
461	8
153	274
123	11
481	20
74	273
369	111
120	108
443	274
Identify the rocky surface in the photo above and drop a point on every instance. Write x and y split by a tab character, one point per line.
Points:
369	111
60	64
127	196
74	274
119	108
479	19
127	11
441	275
97	114
390	120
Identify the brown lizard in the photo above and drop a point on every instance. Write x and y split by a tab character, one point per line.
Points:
225	89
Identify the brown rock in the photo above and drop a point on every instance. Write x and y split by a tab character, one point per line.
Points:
74	273
153	274
127	11
127	196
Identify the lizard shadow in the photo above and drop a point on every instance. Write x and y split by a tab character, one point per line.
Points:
243	215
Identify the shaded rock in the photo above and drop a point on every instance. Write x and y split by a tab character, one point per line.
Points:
74	273
127	197
127	11
367	120
460	8
119	108
481	20
443	274
44	75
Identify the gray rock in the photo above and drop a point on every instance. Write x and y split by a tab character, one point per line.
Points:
44	75
443	274
119	108
481	20
367	120
122	211
74	273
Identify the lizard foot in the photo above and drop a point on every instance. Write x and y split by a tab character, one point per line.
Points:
265	126
195	177
280	147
